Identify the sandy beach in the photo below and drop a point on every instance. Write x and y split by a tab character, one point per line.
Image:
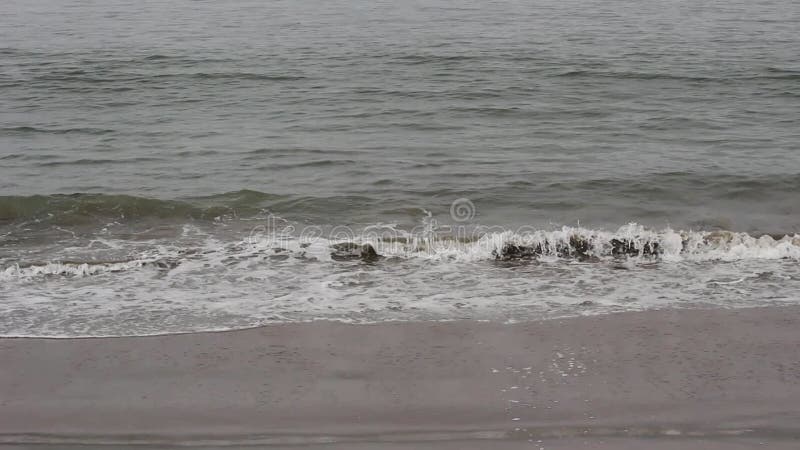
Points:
664	379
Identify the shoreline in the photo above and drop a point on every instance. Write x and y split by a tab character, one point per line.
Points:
668	376
335	322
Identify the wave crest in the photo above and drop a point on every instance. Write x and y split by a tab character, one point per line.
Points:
632	242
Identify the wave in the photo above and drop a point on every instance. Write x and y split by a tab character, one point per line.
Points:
69	209
631	243
770	75
427	58
587	245
24	130
82	269
134	78
659	190
242	76
727	185
636	241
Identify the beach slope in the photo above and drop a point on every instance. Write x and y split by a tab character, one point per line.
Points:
667	379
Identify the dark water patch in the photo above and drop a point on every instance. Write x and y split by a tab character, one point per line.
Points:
82	208
421	126
389	113
680	181
65	79
73	209
83	77
384	182
651	76
314	163
420	59
23	130
157	57
521	183
243	76
510	111
176	59
38	156
84	162
206	152
783	73
700	79
460	92
787	77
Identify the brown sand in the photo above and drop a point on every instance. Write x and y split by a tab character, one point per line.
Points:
669	379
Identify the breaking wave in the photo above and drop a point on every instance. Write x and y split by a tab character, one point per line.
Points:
632	243
204	281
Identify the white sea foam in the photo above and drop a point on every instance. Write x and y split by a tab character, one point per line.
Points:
674	246
205	282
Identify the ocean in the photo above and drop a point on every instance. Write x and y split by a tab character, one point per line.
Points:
179	166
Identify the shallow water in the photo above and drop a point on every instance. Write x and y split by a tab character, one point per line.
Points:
153	154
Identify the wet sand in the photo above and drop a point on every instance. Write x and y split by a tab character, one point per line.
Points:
660	379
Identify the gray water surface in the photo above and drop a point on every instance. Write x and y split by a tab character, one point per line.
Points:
540	112
144	130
